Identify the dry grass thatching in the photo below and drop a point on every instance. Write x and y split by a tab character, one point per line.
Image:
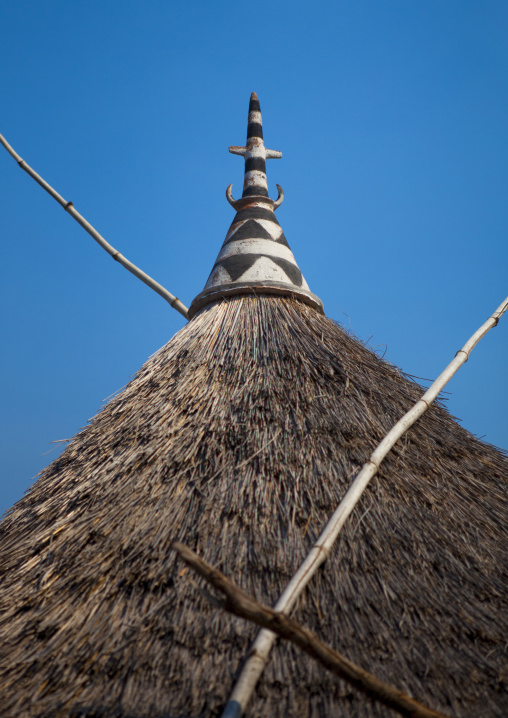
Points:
238	438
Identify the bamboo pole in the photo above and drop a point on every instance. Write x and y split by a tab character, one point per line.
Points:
260	649
69	208
241	604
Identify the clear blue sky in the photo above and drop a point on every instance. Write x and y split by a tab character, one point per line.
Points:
392	117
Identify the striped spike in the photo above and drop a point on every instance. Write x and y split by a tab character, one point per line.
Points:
255	153
255	256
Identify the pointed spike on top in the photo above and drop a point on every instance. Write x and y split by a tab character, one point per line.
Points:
254	105
255	122
255	154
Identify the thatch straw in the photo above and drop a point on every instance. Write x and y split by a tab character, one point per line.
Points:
239	438
241	604
260	649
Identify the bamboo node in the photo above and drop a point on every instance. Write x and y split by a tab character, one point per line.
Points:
461	351
67	206
322	549
253	653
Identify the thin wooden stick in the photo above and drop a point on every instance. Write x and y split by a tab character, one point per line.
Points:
68	206
259	652
241	604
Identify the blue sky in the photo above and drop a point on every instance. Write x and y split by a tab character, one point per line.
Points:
391	116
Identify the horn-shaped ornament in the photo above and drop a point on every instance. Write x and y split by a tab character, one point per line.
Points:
234	202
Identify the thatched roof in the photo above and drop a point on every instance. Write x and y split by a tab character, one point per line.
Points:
238	438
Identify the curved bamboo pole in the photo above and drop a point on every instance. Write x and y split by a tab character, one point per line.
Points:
260	649
69	208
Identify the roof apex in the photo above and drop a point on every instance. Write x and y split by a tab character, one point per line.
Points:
255	256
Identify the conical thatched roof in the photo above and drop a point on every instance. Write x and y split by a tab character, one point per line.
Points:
239	438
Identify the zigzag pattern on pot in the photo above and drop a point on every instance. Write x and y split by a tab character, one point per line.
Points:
255	249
